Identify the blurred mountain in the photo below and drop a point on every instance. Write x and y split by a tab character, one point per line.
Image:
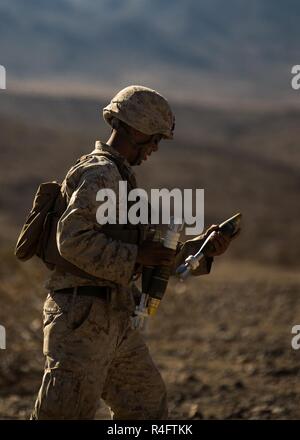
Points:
194	49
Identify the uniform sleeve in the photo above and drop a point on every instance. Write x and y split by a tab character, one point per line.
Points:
80	238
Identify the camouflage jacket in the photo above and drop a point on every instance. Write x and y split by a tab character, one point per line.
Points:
81	239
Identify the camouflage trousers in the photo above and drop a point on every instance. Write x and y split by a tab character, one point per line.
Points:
91	353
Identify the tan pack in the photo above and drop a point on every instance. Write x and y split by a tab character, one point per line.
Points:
37	224
38	234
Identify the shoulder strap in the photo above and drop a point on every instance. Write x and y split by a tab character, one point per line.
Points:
119	162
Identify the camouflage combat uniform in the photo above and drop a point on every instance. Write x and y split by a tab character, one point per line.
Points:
90	347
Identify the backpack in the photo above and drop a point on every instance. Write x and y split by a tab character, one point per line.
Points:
38	234
36	228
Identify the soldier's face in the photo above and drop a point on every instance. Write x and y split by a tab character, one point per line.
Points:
151	148
147	144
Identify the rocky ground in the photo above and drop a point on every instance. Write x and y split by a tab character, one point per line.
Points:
221	342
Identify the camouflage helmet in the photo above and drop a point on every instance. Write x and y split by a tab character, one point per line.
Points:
143	109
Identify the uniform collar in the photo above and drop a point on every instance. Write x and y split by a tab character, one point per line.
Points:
101	146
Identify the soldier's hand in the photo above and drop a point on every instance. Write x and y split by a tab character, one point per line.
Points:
219	241
153	253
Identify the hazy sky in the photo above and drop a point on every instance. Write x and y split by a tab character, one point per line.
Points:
206	51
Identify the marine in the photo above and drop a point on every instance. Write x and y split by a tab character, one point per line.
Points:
91	349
